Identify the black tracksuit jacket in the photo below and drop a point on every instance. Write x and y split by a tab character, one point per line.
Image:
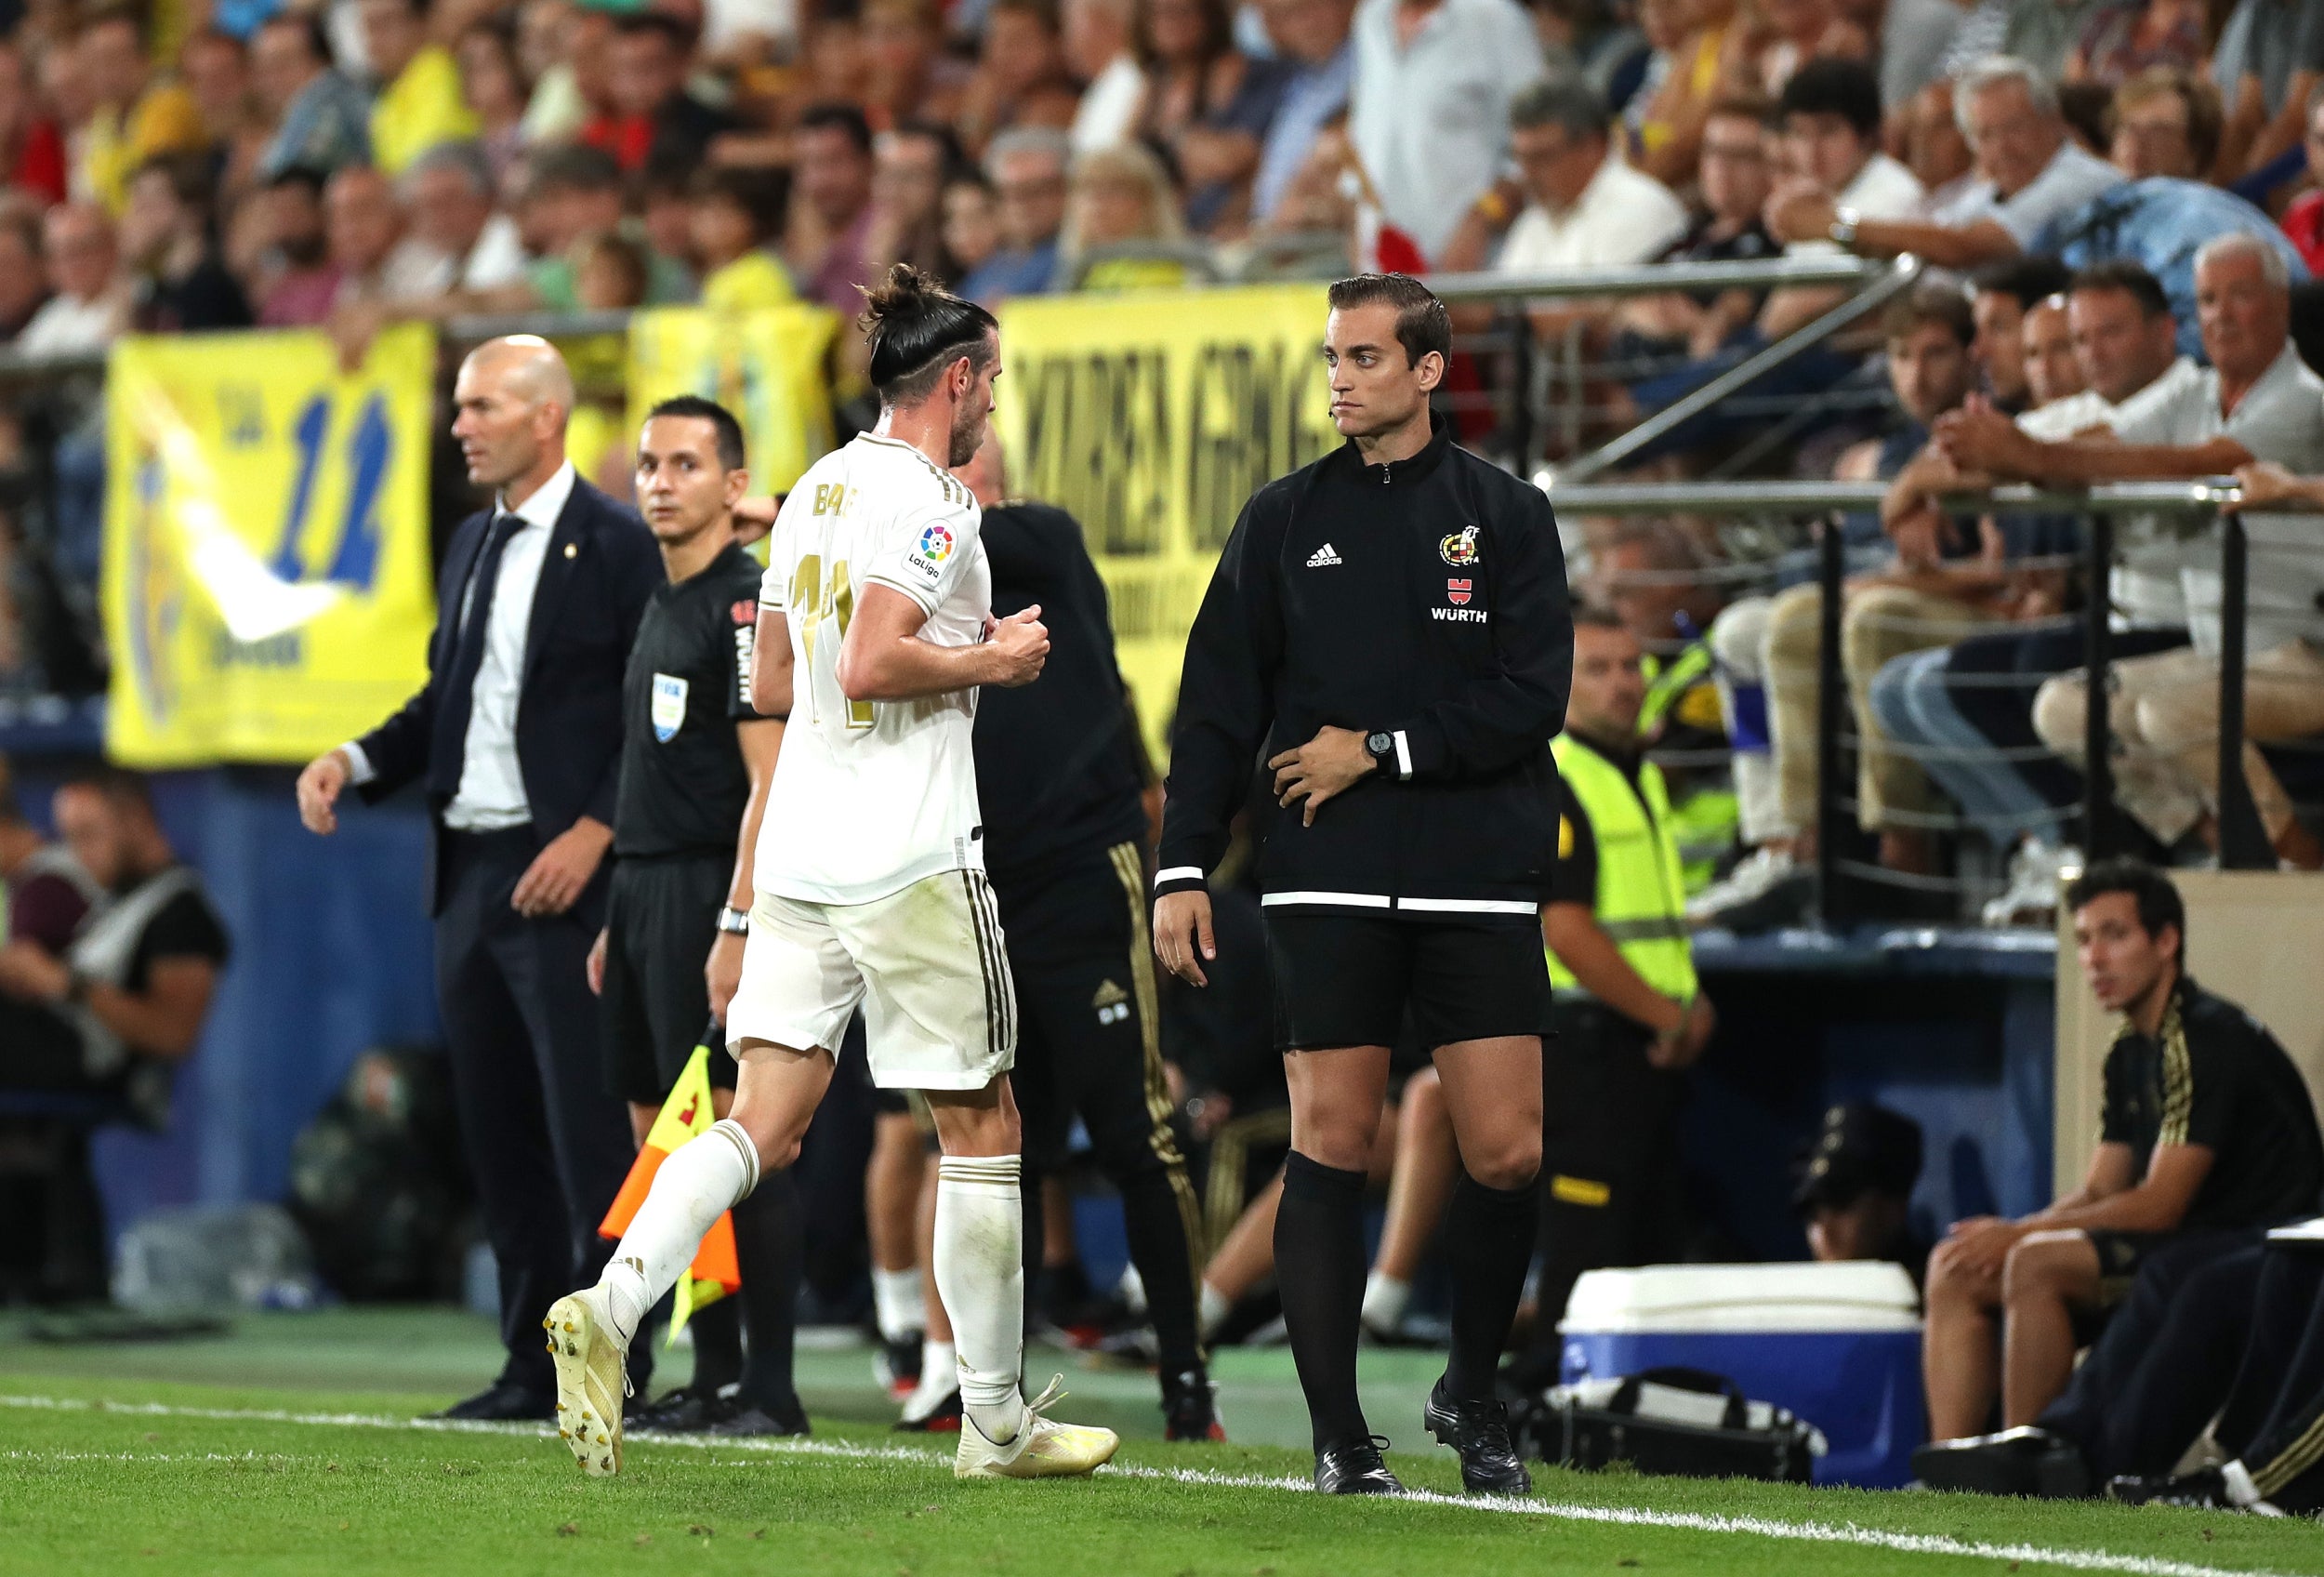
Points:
1426	599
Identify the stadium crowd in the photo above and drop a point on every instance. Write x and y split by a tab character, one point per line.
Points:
2120	202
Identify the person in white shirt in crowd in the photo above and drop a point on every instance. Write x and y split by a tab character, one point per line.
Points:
456	240
1831	116
1098	53
2029	171
1586	209
1429	116
90	304
2256	401
1313	38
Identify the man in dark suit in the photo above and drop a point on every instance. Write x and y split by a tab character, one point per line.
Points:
516	737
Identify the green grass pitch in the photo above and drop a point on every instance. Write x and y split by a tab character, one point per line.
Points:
290	1447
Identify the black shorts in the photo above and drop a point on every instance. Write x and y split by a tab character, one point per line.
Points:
1350	980
661	917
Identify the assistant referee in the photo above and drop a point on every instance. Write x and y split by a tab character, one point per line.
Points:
696	759
1392	624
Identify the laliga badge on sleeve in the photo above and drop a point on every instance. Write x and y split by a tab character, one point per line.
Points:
669	705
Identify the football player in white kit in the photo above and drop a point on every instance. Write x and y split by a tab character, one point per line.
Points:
874	631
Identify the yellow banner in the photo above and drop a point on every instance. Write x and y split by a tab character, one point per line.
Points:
766	366
267	585
1152	419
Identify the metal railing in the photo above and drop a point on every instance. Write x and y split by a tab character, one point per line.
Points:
2243	840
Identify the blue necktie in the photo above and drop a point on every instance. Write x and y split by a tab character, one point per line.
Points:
448	750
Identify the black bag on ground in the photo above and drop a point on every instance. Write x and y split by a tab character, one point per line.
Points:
1683	1423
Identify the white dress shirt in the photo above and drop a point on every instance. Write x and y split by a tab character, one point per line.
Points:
490	795
1623	216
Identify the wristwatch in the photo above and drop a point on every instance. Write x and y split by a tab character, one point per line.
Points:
734	922
1844	226
1382	746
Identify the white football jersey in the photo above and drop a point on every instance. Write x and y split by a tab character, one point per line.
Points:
871	796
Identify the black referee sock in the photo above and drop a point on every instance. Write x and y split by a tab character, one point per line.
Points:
1156	1231
1490	1237
1319	1271
718	1333
768	1251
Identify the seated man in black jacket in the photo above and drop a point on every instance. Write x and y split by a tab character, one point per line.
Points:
2207	1128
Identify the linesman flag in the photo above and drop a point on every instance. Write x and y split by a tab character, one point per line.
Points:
714	1273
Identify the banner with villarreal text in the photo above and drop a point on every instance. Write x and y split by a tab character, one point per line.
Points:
765	365
267	587
1152	419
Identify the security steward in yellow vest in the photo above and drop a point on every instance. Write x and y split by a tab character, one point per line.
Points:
1629	1017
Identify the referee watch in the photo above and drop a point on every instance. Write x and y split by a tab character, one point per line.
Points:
734	922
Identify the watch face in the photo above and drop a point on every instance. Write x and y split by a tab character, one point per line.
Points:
1380	744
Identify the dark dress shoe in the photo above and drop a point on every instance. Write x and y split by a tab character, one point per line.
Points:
501	1402
2025	1461
2206	1491
686	1410
1354	1468
758	1421
1478	1431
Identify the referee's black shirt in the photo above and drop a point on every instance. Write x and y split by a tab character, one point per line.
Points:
1057	769
683	784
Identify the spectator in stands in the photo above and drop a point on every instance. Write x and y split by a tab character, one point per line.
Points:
1854	1189
575	192
1932	146
88	304
47	893
1098	53
971	224
911	77
123	1002
2127	40
362	223
297	285
1027	169
181	283
737	217
31	150
2268	58
1586	209
1735	178
1830	114
2045	33
419	104
1119	197
910	162
140	116
831	208
1205	102
493	88
2029	172
610	274
2206	1125
456	240
2045	352
558	46
2256	401
1315	42
1430	112
1020	77
217	71
1789	33
1664	119
651	115
2304	221
22	287
2166	122
322	121
2000	296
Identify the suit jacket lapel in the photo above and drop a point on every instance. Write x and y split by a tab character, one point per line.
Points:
460	563
568	541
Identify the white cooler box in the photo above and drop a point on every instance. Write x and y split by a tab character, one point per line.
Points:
1839	1345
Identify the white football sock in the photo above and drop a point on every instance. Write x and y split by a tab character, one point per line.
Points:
700	1181
940	1375
896	1296
980	1274
2241	1489
1384	1301
1132	1288
1215	1306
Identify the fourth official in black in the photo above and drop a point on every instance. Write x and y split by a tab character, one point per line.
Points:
1388	628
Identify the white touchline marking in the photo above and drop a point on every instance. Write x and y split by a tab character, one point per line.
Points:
1633	1516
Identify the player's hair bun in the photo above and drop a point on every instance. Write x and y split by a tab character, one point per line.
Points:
912	322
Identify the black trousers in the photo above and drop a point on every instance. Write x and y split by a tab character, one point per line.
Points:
547	1145
2275	1416
1612	1195
2166	1359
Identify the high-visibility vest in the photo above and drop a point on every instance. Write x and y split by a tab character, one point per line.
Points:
1641	898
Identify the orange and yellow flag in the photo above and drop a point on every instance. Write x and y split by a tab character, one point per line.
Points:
714	1273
